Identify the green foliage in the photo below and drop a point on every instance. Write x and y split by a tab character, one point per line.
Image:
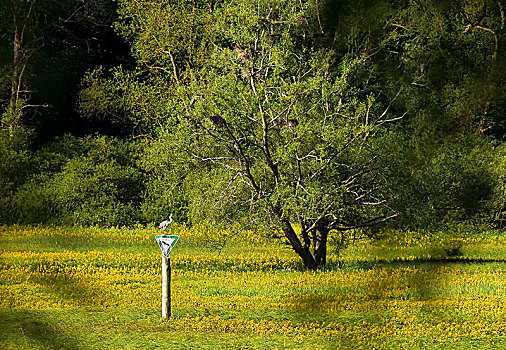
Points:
122	98
32	203
167	36
498	201
165	171
438	186
99	187
15	168
254	112
14	159
89	181
449	67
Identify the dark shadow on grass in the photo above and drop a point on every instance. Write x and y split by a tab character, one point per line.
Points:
28	327
367	265
425	279
35	326
421	281
65	286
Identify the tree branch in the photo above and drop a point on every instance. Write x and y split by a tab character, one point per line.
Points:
496	38
369	223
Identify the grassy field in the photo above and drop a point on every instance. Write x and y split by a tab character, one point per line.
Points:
90	288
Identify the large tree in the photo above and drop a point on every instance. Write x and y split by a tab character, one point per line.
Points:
273	112
267	104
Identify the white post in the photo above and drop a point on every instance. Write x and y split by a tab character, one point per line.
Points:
166	311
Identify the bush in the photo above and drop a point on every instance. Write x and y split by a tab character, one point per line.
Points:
88	181
165	172
439	184
15	168
33	203
102	186
498	201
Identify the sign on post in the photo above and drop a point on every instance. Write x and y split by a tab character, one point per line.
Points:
166	243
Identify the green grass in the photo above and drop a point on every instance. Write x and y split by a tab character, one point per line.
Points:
87	288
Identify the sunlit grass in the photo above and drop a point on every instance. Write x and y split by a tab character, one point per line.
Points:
90	288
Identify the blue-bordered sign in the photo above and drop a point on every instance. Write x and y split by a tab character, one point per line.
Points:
166	243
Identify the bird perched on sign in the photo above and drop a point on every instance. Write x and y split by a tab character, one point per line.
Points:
164	224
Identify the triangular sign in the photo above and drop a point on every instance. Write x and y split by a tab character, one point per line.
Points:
166	243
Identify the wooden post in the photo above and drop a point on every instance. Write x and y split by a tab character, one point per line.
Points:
166	310
166	243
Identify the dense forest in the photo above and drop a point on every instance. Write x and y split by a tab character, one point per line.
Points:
310	117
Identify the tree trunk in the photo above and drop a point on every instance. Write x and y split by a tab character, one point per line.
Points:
320	246
14	78
13	115
303	251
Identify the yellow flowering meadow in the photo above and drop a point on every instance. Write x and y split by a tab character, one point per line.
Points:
407	289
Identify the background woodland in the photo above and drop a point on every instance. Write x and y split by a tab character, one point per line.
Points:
308	116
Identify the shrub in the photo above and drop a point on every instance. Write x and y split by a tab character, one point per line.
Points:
15	168
434	185
88	181
99	187
498	202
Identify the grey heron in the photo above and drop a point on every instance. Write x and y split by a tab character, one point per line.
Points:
164	224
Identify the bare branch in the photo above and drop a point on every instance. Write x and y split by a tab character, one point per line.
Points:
369	223
309	155
73	13
363	195
332	157
320	217
496	39
218	162
221	244
373	203
377	121
501	10
45	105
392	119
22	33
